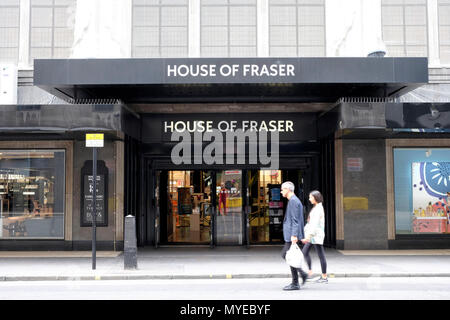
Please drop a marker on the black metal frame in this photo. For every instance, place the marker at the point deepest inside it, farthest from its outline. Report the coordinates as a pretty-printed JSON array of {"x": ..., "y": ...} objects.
[{"x": 328, "y": 183}]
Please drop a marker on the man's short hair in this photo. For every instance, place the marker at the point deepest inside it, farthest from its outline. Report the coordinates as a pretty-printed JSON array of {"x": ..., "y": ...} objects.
[{"x": 288, "y": 185}]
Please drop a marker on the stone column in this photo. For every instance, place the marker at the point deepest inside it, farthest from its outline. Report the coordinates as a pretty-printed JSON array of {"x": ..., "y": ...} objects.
[
  {"x": 102, "y": 29},
  {"x": 353, "y": 27}
]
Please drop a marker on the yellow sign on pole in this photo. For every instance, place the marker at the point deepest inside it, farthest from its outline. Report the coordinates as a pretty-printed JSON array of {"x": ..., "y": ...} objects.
[{"x": 95, "y": 140}]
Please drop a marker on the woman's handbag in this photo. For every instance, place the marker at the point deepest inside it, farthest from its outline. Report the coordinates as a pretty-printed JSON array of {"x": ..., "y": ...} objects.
[{"x": 294, "y": 256}]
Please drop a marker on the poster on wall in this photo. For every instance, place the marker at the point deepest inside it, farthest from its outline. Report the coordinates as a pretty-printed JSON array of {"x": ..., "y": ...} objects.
[
  {"x": 86, "y": 197},
  {"x": 431, "y": 197}
]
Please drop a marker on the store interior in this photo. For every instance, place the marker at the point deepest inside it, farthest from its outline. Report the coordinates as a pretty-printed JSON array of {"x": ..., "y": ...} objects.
[{"x": 189, "y": 205}]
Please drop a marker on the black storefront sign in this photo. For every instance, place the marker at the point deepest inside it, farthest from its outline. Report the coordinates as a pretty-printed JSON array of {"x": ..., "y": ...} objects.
[
  {"x": 301, "y": 126},
  {"x": 86, "y": 195}
]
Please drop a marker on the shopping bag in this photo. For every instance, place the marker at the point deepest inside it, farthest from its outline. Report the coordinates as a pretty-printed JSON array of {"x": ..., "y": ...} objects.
[
  {"x": 294, "y": 256},
  {"x": 307, "y": 229}
]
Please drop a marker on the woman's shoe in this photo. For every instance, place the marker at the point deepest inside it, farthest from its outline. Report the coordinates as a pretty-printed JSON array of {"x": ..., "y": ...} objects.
[{"x": 322, "y": 280}]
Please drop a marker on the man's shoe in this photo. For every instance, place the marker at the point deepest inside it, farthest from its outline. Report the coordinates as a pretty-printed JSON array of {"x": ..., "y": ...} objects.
[
  {"x": 304, "y": 277},
  {"x": 292, "y": 286}
]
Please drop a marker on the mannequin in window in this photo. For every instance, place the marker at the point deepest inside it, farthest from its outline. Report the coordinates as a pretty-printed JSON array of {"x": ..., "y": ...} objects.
[{"x": 223, "y": 199}]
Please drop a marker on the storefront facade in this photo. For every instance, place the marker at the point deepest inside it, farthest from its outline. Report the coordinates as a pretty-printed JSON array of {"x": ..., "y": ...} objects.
[
  {"x": 172, "y": 157},
  {"x": 44, "y": 165}
]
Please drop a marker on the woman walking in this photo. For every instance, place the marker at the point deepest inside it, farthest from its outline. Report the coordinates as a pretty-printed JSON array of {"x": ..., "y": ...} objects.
[{"x": 315, "y": 234}]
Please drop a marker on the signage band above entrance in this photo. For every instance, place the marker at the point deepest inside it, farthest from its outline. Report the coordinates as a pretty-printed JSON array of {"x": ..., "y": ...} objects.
[
  {"x": 229, "y": 70},
  {"x": 233, "y": 70}
]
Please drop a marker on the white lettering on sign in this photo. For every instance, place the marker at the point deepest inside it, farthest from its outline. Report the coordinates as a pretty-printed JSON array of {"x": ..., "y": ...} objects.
[
  {"x": 247, "y": 309},
  {"x": 203, "y": 70},
  {"x": 224, "y": 126},
  {"x": 226, "y": 70}
]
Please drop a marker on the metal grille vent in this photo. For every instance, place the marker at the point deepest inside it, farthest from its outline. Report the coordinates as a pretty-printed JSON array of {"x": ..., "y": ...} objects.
[
  {"x": 366, "y": 100},
  {"x": 95, "y": 101}
]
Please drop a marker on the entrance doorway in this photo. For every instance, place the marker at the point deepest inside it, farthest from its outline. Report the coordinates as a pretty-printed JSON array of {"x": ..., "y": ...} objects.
[
  {"x": 224, "y": 207},
  {"x": 230, "y": 229}
]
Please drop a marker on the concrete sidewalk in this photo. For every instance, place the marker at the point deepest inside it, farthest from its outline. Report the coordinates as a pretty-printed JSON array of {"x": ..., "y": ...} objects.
[{"x": 217, "y": 263}]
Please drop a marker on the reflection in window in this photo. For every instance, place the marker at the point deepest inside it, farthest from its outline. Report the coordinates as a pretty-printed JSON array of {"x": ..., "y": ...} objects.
[
  {"x": 422, "y": 190},
  {"x": 32, "y": 193}
]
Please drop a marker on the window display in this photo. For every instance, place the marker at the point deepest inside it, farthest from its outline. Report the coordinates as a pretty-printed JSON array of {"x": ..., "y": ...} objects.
[
  {"x": 422, "y": 190},
  {"x": 32, "y": 188}
]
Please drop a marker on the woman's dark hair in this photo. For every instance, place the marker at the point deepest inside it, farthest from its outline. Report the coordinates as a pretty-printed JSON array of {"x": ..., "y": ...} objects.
[{"x": 317, "y": 196}]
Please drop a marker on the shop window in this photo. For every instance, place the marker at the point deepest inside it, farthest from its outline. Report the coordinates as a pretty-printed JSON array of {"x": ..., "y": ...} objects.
[
  {"x": 9, "y": 30},
  {"x": 422, "y": 190},
  {"x": 160, "y": 28},
  {"x": 297, "y": 28},
  {"x": 32, "y": 188},
  {"x": 404, "y": 27},
  {"x": 444, "y": 31},
  {"x": 228, "y": 28},
  {"x": 51, "y": 28}
]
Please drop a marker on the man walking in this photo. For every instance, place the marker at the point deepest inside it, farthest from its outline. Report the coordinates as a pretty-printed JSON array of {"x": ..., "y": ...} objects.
[{"x": 292, "y": 230}]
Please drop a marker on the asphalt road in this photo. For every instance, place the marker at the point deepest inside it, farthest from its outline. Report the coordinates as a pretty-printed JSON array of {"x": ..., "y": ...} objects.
[{"x": 424, "y": 288}]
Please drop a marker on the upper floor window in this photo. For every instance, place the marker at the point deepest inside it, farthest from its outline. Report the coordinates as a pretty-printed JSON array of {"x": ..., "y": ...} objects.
[
  {"x": 51, "y": 28},
  {"x": 297, "y": 28},
  {"x": 444, "y": 30},
  {"x": 404, "y": 26},
  {"x": 9, "y": 30},
  {"x": 160, "y": 28},
  {"x": 228, "y": 28}
]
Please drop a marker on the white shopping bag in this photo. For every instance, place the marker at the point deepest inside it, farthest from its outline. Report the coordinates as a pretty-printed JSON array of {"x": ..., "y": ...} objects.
[{"x": 294, "y": 256}]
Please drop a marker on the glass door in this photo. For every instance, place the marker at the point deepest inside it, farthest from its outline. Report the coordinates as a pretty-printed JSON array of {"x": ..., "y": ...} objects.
[
  {"x": 157, "y": 208},
  {"x": 266, "y": 206},
  {"x": 189, "y": 210},
  {"x": 229, "y": 223}
]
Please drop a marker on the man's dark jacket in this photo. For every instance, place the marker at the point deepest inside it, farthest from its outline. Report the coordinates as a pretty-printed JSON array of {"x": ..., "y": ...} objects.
[{"x": 293, "y": 220}]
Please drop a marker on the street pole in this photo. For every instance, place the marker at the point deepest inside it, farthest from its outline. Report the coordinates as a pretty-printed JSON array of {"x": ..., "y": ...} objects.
[
  {"x": 94, "y": 208},
  {"x": 94, "y": 140}
]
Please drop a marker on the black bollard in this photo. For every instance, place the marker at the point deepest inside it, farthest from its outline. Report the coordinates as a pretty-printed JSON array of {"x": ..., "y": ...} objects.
[{"x": 130, "y": 245}]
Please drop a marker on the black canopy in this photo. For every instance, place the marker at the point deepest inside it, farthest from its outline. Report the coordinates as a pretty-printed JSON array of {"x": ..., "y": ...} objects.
[{"x": 229, "y": 79}]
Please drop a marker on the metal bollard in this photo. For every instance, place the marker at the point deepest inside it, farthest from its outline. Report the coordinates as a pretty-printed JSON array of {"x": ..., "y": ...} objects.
[{"x": 130, "y": 245}]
